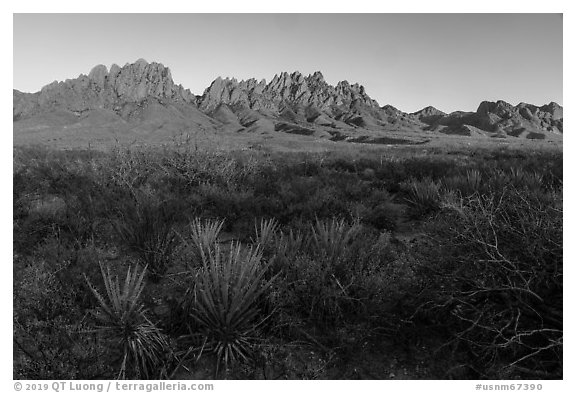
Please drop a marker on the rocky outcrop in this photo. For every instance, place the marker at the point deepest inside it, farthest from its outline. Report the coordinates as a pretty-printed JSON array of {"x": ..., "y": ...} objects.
[
  {"x": 231, "y": 92},
  {"x": 103, "y": 89},
  {"x": 23, "y": 104},
  {"x": 292, "y": 96},
  {"x": 503, "y": 119}
]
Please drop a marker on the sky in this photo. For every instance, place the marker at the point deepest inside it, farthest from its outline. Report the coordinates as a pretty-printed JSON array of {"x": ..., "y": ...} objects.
[{"x": 410, "y": 61}]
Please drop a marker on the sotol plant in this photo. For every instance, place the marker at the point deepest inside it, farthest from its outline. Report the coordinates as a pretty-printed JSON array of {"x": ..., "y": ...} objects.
[{"x": 124, "y": 324}]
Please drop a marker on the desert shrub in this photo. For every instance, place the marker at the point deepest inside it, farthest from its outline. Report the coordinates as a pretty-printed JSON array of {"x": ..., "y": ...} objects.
[
  {"x": 68, "y": 264},
  {"x": 199, "y": 167},
  {"x": 140, "y": 347},
  {"x": 73, "y": 218},
  {"x": 49, "y": 330},
  {"x": 317, "y": 294},
  {"x": 227, "y": 302},
  {"x": 265, "y": 181},
  {"x": 219, "y": 202},
  {"x": 482, "y": 274},
  {"x": 342, "y": 165},
  {"x": 19, "y": 194},
  {"x": 265, "y": 206},
  {"x": 428, "y": 167},
  {"x": 58, "y": 193},
  {"x": 379, "y": 275},
  {"x": 311, "y": 202},
  {"x": 384, "y": 216},
  {"x": 309, "y": 165},
  {"x": 494, "y": 280},
  {"x": 31, "y": 231},
  {"x": 299, "y": 189},
  {"x": 348, "y": 186},
  {"x": 129, "y": 169},
  {"x": 324, "y": 281},
  {"x": 146, "y": 229},
  {"x": 379, "y": 210}
]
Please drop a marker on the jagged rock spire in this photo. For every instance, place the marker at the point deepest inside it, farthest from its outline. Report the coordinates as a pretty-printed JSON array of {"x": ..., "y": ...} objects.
[{"x": 285, "y": 87}]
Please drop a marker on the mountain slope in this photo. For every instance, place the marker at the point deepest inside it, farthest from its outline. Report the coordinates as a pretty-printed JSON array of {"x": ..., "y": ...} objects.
[{"x": 121, "y": 103}]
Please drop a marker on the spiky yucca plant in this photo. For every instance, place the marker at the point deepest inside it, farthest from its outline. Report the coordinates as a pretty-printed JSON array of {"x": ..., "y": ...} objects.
[
  {"x": 424, "y": 196},
  {"x": 124, "y": 323},
  {"x": 330, "y": 238},
  {"x": 291, "y": 243},
  {"x": 203, "y": 239},
  {"x": 227, "y": 306},
  {"x": 474, "y": 180},
  {"x": 523, "y": 179},
  {"x": 465, "y": 185},
  {"x": 265, "y": 233}
]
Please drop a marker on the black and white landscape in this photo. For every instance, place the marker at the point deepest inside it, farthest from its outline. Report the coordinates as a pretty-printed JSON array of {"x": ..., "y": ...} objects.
[{"x": 293, "y": 228}]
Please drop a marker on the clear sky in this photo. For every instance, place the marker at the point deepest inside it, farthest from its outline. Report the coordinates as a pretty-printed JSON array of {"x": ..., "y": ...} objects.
[{"x": 450, "y": 61}]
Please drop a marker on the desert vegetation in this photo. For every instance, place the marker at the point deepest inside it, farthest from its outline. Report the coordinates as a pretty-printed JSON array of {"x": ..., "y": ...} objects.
[{"x": 177, "y": 263}]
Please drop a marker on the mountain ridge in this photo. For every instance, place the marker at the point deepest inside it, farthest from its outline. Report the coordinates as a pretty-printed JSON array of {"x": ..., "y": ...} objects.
[{"x": 144, "y": 96}]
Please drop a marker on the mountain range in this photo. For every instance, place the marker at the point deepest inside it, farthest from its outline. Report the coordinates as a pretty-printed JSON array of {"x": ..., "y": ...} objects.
[{"x": 140, "y": 101}]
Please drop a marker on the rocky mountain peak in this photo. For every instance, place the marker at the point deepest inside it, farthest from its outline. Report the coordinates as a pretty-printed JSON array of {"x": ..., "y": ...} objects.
[
  {"x": 430, "y": 110},
  {"x": 293, "y": 88},
  {"x": 317, "y": 75},
  {"x": 133, "y": 83},
  {"x": 98, "y": 74},
  {"x": 500, "y": 108},
  {"x": 140, "y": 63},
  {"x": 428, "y": 113},
  {"x": 390, "y": 110},
  {"x": 297, "y": 77},
  {"x": 554, "y": 109},
  {"x": 552, "y": 106}
]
